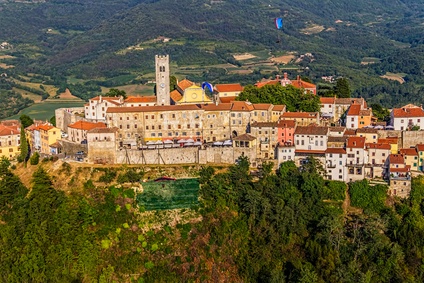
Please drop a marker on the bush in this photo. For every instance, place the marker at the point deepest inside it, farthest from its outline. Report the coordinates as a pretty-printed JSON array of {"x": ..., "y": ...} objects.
[
  {"x": 34, "y": 159},
  {"x": 108, "y": 176},
  {"x": 369, "y": 198}
]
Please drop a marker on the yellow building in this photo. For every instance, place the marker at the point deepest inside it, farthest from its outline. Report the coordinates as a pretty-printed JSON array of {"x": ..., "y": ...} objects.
[
  {"x": 9, "y": 141},
  {"x": 411, "y": 157},
  {"x": 392, "y": 141},
  {"x": 194, "y": 95},
  {"x": 371, "y": 135},
  {"x": 48, "y": 135}
]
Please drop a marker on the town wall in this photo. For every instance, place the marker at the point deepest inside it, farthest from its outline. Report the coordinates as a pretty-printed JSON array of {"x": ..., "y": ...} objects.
[
  {"x": 412, "y": 138},
  {"x": 67, "y": 116},
  {"x": 70, "y": 148},
  {"x": 102, "y": 152}
]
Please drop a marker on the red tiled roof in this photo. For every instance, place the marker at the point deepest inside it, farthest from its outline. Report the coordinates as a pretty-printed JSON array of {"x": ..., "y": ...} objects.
[
  {"x": 6, "y": 131},
  {"x": 378, "y": 146},
  {"x": 184, "y": 84},
  {"x": 335, "y": 150},
  {"x": 366, "y": 112},
  {"x": 286, "y": 124},
  {"x": 388, "y": 140},
  {"x": 176, "y": 95},
  {"x": 107, "y": 98},
  {"x": 311, "y": 115},
  {"x": 228, "y": 87},
  {"x": 159, "y": 108},
  {"x": 310, "y": 151},
  {"x": 138, "y": 99},
  {"x": 244, "y": 137},
  {"x": 86, "y": 126},
  {"x": 327, "y": 100},
  {"x": 227, "y": 99},
  {"x": 264, "y": 124},
  {"x": 279, "y": 108},
  {"x": 214, "y": 107},
  {"x": 396, "y": 159},
  {"x": 262, "y": 106},
  {"x": 264, "y": 83},
  {"x": 407, "y": 112},
  {"x": 103, "y": 130},
  {"x": 354, "y": 110},
  {"x": 367, "y": 131},
  {"x": 408, "y": 151},
  {"x": 355, "y": 142},
  {"x": 45, "y": 127},
  {"x": 337, "y": 129},
  {"x": 349, "y": 101},
  {"x": 311, "y": 130},
  {"x": 349, "y": 132},
  {"x": 302, "y": 84},
  {"x": 420, "y": 147},
  {"x": 242, "y": 106},
  {"x": 407, "y": 168}
]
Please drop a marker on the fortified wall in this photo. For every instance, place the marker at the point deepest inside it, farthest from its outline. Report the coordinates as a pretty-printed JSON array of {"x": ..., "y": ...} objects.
[{"x": 67, "y": 116}]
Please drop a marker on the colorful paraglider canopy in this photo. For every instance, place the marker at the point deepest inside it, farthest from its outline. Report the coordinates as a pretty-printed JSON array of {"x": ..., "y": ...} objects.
[
  {"x": 208, "y": 85},
  {"x": 279, "y": 23}
]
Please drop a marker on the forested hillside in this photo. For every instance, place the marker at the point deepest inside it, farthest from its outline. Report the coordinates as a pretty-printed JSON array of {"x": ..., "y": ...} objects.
[
  {"x": 291, "y": 226},
  {"x": 97, "y": 40}
]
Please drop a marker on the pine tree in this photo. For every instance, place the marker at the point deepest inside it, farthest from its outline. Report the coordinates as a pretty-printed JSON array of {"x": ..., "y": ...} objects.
[{"x": 342, "y": 88}]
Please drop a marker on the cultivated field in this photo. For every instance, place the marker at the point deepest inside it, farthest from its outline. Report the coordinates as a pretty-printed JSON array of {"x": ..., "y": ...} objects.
[
  {"x": 244, "y": 56},
  {"x": 394, "y": 77},
  {"x": 312, "y": 29},
  {"x": 45, "y": 110},
  {"x": 285, "y": 59}
]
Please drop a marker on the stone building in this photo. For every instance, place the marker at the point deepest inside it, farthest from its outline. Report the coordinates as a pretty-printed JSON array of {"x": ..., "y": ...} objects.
[
  {"x": 266, "y": 137},
  {"x": 356, "y": 158},
  {"x": 399, "y": 176},
  {"x": 102, "y": 145},
  {"x": 162, "y": 80},
  {"x": 96, "y": 107},
  {"x": 77, "y": 132},
  {"x": 335, "y": 164},
  {"x": 302, "y": 118}
]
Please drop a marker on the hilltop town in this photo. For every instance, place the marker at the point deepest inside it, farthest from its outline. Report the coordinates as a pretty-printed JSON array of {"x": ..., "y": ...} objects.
[{"x": 203, "y": 124}]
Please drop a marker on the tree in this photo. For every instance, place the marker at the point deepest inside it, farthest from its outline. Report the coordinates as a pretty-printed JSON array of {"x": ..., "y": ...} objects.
[
  {"x": 113, "y": 92},
  {"x": 26, "y": 121},
  {"x": 342, "y": 88},
  {"x": 23, "y": 157},
  {"x": 53, "y": 121},
  {"x": 172, "y": 83}
]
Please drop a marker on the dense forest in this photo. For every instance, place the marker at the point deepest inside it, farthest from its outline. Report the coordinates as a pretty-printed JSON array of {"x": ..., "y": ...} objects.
[
  {"x": 284, "y": 226},
  {"x": 89, "y": 41},
  {"x": 11, "y": 102}
]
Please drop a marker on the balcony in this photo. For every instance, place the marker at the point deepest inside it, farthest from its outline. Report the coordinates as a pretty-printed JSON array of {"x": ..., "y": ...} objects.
[{"x": 329, "y": 165}]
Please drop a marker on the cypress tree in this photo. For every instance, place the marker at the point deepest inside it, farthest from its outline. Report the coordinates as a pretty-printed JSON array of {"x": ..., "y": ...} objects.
[{"x": 23, "y": 157}]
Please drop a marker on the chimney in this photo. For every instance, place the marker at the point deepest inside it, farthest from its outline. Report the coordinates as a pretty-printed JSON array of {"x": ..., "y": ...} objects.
[
  {"x": 277, "y": 77},
  {"x": 298, "y": 77},
  {"x": 285, "y": 75}
]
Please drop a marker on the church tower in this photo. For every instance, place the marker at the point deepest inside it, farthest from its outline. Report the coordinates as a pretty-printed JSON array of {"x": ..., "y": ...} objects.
[{"x": 162, "y": 80}]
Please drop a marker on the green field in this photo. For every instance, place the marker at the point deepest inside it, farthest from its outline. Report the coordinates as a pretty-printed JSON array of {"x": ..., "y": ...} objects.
[
  {"x": 45, "y": 110},
  {"x": 181, "y": 193}
]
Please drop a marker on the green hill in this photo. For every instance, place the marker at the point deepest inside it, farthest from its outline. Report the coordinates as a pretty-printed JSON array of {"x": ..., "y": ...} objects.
[{"x": 100, "y": 40}]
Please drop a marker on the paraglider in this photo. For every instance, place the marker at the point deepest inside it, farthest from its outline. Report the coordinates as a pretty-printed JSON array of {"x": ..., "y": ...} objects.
[
  {"x": 279, "y": 25},
  {"x": 207, "y": 85}
]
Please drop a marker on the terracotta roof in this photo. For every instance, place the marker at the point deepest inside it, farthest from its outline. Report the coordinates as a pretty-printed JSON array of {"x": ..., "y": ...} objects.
[
  {"x": 86, "y": 126},
  {"x": 6, "y": 131},
  {"x": 228, "y": 87},
  {"x": 302, "y": 84},
  {"x": 420, "y": 147},
  {"x": 388, "y": 140},
  {"x": 286, "y": 124},
  {"x": 12, "y": 123},
  {"x": 337, "y": 139},
  {"x": 354, "y": 110},
  {"x": 407, "y": 112},
  {"x": 56, "y": 145},
  {"x": 227, "y": 99},
  {"x": 310, "y": 151},
  {"x": 327, "y": 100},
  {"x": 103, "y": 130},
  {"x": 335, "y": 150},
  {"x": 159, "y": 108},
  {"x": 262, "y": 106},
  {"x": 45, "y": 127},
  {"x": 349, "y": 132},
  {"x": 378, "y": 146},
  {"x": 279, "y": 108},
  {"x": 176, "y": 95},
  {"x": 408, "y": 151},
  {"x": 349, "y": 101},
  {"x": 311, "y": 130},
  {"x": 406, "y": 169},
  {"x": 300, "y": 115},
  {"x": 242, "y": 106},
  {"x": 219, "y": 107},
  {"x": 396, "y": 159},
  {"x": 138, "y": 99},
  {"x": 264, "y": 83},
  {"x": 244, "y": 137},
  {"x": 367, "y": 131},
  {"x": 355, "y": 142},
  {"x": 264, "y": 124},
  {"x": 184, "y": 84},
  {"x": 337, "y": 129}
]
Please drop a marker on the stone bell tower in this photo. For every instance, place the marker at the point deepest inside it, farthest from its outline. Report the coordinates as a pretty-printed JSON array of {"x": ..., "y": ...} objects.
[{"x": 162, "y": 80}]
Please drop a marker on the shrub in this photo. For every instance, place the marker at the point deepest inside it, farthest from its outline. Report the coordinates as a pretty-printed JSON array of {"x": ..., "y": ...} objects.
[{"x": 34, "y": 159}]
